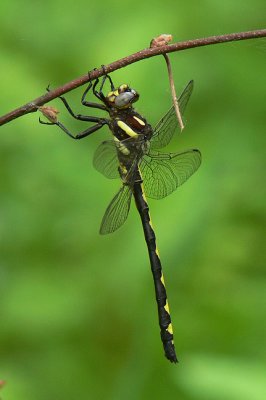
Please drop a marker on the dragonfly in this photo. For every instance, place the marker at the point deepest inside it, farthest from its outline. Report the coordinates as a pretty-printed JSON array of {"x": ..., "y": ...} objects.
[{"x": 133, "y": 155}]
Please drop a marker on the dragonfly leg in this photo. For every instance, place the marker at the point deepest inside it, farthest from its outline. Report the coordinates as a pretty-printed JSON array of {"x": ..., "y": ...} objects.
[
  {"x": 91, "y": 104},
  {"x": 82, "y": 134},
  {"x": 99, "y": 94},
  {"x": 79, "y": 116}
]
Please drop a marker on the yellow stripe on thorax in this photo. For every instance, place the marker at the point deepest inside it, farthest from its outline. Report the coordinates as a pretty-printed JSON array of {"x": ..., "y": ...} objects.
[
  {"x": 126, "y": 129},
  {"x": 139, "y": 120}
]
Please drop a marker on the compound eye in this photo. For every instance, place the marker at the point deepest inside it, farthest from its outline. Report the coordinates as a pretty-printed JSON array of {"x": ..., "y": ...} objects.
[{"x": 124, "y": 99}]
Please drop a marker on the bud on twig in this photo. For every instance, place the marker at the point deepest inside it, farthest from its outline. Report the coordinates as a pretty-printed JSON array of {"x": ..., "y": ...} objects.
[
  {"x": 161, "y": 40},
  {"x": 49, "y": 112}
]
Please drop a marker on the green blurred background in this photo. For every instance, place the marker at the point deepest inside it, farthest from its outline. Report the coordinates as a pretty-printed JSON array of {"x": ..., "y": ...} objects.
[{"x": 77, "y": 310}]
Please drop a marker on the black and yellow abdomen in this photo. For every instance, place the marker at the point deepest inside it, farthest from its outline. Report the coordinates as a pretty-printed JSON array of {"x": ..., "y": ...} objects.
[
  {"x": 156, "y": 268},
  {"x": 133, "y": 126}
]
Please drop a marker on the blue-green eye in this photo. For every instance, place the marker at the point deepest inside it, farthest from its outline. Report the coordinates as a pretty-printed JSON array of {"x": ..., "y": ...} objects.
[{"x": 126, "y": 98}]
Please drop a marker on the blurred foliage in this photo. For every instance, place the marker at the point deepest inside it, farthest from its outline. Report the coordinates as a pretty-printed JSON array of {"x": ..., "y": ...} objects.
[{"x": 78, "y": 314}]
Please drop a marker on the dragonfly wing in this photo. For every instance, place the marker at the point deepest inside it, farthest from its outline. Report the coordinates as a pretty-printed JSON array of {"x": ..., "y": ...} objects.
[
  {"x": 164, "y": 173},
  {"x": 117, "y": 211},
  {"x": 112, "y": 153},
  {"x": 165, "y": 128},
  {"x": 105, "y": 159}
]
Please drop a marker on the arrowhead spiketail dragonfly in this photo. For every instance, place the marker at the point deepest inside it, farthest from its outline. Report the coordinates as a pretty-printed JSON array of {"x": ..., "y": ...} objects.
[{"x": 132, "y": 155}]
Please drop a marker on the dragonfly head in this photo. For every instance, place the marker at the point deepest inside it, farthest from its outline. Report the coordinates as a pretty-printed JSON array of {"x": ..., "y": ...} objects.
[{"x": 122, "y": 97}]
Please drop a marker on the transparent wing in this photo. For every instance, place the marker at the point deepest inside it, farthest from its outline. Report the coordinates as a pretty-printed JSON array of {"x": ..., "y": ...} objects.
[
  {"x": 165, "y": 128},
  {"x": 164, "y": 173},
  {"x": 117, "y": 211},
  {"x": 105, "y": 159},
  {"x": 108, "y": 155}
]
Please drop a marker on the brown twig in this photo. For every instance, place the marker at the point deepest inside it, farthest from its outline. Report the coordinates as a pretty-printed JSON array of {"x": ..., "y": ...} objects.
[{"x": 33, "y": 105}]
